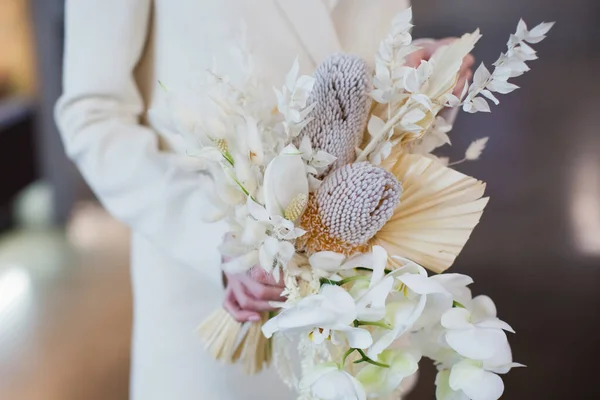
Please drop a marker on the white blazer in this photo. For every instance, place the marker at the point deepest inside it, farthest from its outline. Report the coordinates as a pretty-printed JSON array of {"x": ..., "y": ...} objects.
[{"x": 116, "y": 52}]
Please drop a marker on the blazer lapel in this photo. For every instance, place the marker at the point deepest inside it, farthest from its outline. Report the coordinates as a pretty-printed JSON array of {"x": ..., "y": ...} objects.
[{"x": 311, "y": 22}]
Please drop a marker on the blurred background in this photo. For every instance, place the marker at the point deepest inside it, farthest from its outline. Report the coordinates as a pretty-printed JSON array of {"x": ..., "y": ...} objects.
[{"x": 65, "y": 302}]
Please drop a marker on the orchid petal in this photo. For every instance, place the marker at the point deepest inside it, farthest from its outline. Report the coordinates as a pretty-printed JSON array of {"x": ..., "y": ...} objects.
[
  {"x": 333, "y": 384},
  {"x": 475, "y": 382},
  {"x": 380, "y": 258},
  {"x": 404, "y": 315},
  {"x": 371, "y": 306},
  {"x": 357, "y": 338},
  {"x": 257, "y": 211},
  {"x": 457, "y": 318},
  {"x": 477, "y": 344},
  {"x": 328, "y": 261},
  {"x": 422, "y": 285},
  {"x": 495, "y": 323},
  {"x": 443, "y": 389},
  {"x": 483, "y": 307},
  {"x": 456, "y": 284},
  {"x": 362, "y": 260},
  {"x": 382, "y": 382},
  {"x": 319, "y": 371}
]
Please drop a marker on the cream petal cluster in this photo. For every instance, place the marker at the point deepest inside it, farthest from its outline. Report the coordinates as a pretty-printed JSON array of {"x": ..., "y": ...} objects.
[{"x": 326, "y": 315}]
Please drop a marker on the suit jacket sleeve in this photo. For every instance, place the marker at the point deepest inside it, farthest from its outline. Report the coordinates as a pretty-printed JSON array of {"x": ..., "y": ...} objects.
[{"x": 98, "y": 116}]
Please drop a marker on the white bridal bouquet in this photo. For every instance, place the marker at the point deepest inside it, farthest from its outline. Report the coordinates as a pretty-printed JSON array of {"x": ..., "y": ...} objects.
[{"x": 336, "y": 193}]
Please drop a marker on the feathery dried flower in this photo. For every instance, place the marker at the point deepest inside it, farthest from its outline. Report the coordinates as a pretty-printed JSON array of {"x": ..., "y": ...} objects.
[{"x": 341, "y": 94}]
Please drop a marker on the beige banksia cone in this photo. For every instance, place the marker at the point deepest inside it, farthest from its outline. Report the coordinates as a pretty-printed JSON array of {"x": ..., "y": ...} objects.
[
  {"x": 351, "y": 206},
  {"x": 342, "y": 96}
]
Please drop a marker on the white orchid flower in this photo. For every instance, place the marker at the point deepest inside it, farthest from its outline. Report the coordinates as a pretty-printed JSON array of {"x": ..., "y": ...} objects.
[
  {"x": 443, "y": 390},
  {"x": 404, "y": 311},
  {"x": 475, "y": 332},
  {"x": 456, "y": 285},
  {"x": 274, "y": 253},
  {"x": 370, "y": 295},
  {"x": 327, "y": 261},
  {"x": 476, "y": 380},
  {"x": 371, "y": 304},
  {"x": 452, "y": 289},
  {"x": 431, "y": 344},
  {"x": 328, "y": 314},
  {"x": 285, "y": 179},
  {"x": 381, "y": 382},
  {"x": 328, "y": 382},
  {"x": 332, "y": 262}
]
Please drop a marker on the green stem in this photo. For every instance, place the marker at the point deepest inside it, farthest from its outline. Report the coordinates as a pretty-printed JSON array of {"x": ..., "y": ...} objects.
[
  {"x": 366, "y": 359},
  {"x": 229, "y": 158},
  {"x": 346, "y": 354},
  {"x": 386, "y": 271},
  {"x": 325, "y": 281},
  {"x": 242, "y": 187},
  {"x": 379, "y": 324},
  {"x": 352, "y": 279}
]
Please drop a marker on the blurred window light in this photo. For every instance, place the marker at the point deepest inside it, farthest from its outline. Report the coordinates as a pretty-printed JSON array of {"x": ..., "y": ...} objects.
[
  {"x": 15, "y": 290},
  {"x": 585, "y": 204}
]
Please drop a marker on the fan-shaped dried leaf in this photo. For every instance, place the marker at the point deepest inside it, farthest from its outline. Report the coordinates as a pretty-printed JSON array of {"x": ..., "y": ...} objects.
[{"x": 438, "y": 210}]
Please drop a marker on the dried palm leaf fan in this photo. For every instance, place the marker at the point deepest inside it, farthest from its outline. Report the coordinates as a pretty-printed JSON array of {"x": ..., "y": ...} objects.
[
  {"x": 439, "y": 208},
  {"x": 233, "y": 342},
  {"x": 341, "y": 93}
]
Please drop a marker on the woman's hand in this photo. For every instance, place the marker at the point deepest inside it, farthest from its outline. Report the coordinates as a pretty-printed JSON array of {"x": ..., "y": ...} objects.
[
  {"x": 248, "y": 294},
  {"x": 427, "y": 48}
]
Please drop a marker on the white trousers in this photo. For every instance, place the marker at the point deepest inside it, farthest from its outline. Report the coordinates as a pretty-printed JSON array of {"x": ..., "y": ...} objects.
[{"x": 168, "y": 359}]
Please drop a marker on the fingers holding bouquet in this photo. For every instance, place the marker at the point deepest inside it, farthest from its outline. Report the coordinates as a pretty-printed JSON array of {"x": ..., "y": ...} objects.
[
  {"x": 250, "y": 293},
  {"x": 426, "y": 50}
]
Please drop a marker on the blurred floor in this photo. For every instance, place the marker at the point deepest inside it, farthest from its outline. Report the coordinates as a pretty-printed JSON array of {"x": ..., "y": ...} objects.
[{"x": 65, "y": 311}]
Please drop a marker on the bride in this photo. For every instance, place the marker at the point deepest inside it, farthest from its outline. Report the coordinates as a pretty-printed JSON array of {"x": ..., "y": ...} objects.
[{"x": 116, "y": 51}]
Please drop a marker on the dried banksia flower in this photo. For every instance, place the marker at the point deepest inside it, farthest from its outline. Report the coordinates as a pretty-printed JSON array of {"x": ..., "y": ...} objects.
[
  {"x": 342, "y": 96},
  {"x": 351, "y": 206},
  {"x": 318, "y": 237}
]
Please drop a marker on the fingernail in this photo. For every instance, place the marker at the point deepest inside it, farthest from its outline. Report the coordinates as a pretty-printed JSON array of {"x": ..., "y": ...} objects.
[{"x": 254, "y": 318}]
